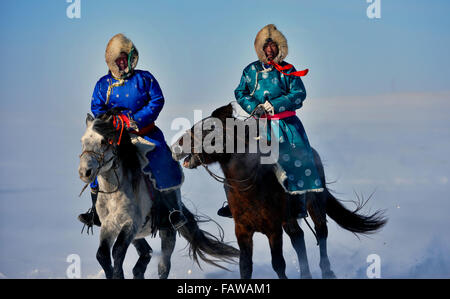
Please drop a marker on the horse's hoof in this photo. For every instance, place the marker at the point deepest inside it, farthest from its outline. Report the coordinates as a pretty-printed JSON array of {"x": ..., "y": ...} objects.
[
  {"x": 306, "y": 276},
  {"x": 328, "y": 275},
  {"x": 118, "y": 276},
  {"x": 138, "y": 273},
  {"x": 109, "y": 274}
]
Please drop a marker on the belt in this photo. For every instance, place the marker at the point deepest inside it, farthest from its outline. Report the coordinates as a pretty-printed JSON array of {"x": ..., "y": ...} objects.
[
  {"x": 145, "y": 130},
  {"x": 281, "y": 115}
]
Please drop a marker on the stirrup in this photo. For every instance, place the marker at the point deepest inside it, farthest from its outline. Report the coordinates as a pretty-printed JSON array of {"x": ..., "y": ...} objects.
[
  {"x": 89, "y": 224},
  {"x": 225, "y": 207},
  {"x": 180, "y": 222}
]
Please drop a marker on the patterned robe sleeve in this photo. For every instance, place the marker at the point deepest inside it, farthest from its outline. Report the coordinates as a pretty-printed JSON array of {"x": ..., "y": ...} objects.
[
  {"x": 294, "y": 98},
  {"x": 98, "y": 103},
  {"x": 242, "y": 95},
  {"x": 149, "y": 113}
]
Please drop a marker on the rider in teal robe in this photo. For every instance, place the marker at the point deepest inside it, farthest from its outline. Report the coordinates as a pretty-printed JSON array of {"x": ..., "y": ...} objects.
[{"x": 270, "y": 84}]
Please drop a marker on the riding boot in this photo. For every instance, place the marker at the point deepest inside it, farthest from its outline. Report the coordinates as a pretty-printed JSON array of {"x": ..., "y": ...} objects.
[
  {"x": 298, "y": 206},
  {"x": 172, "y": 201},
  {"x": 91, "y": 217},
  {"x": 225, "y": 211}
]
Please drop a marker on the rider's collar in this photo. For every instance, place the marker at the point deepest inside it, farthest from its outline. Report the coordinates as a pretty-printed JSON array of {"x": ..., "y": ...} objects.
[
  {"x": 125, "y": 76},
  {"x": 266, "y": 67}
]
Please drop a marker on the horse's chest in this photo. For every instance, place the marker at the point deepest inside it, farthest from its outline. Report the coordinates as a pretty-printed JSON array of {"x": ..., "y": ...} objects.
[
  {"x": 255, "y": 212},
  {"x": 114, "y": 208}
]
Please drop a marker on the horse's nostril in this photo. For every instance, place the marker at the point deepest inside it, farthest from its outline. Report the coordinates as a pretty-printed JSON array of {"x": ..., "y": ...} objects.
[{"x": 88, "y": 173}]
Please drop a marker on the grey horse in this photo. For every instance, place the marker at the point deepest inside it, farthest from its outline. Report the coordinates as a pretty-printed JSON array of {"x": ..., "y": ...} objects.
[{"x": 125, "y": 205}]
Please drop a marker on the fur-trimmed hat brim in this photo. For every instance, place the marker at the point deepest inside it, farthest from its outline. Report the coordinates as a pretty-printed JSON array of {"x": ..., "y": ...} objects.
[
  {"x": 271, "y": 32},
  {"x": 117, "y": 44}
]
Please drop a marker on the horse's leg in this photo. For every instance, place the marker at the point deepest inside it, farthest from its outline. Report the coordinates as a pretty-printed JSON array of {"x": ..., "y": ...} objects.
[
  {"x": 145, "y": 254},
  {"x": 168, "y": 238},
  {"x": 245, "y": 242},
  {"x": 325, "y": 266},
  {"x": 296, "y": 235},
  {"x": 276, "y": 249},
  {"x": 316, "y": 208},
  {"x": 119, "y": 251},
  {"x": 104, "y": 251}
]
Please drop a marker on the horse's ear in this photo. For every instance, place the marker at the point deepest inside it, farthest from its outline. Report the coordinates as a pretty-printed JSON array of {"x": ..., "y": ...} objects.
[{"x": 89, "y": 119}]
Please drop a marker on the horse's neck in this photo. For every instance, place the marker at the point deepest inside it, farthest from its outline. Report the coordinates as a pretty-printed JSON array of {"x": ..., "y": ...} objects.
[
  {"x": 240, "y": 166},
  {"x": 112, "y": 180}
]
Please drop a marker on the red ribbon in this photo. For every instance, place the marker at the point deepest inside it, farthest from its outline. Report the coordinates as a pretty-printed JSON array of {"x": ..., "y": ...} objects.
[
  {"x": 288, "y": 67},
  {"x": 125, "y": 119},
  {"x": 119, "y": 122},
  {"x": 281, "y": 115}
]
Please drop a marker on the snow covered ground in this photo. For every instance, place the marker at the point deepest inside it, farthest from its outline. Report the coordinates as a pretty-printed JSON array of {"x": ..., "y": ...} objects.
[{"x": 396, "y": 144}]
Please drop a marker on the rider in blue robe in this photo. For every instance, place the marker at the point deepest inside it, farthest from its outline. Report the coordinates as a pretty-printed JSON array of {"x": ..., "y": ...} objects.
[{"x": 139, "y": 96}]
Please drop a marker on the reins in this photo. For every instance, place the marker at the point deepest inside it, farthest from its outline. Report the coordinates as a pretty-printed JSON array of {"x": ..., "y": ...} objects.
[
  {"x": 119, "y": 122},
  {"x": 221, "y": 179},
  {"x": 100, "y": 159},
  {"x": 224, "y": 180}
]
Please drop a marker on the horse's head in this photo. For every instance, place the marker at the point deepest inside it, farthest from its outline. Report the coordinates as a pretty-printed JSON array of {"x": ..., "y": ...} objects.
[
  {"x": 204, "y": 143},
  {"x": 98, "y": 148}
]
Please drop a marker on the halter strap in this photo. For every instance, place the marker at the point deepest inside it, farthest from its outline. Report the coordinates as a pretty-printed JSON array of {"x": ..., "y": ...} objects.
[{"x": 100, "y": 159}]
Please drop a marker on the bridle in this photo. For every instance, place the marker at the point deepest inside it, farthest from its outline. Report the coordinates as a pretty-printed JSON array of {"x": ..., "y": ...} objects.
[
  {"x": 224, "y": 180},
  {"x": 100, "y": 157},
  {"x": 221, "y": 179}
]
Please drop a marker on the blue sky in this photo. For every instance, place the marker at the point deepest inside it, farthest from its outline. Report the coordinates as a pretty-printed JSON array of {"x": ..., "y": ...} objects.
[{"x": 377, "y": 111}]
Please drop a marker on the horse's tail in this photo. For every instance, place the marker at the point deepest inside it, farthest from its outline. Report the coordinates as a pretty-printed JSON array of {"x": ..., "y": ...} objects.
[
  {"x": 352, "y": 220},
  {"x": 202, "y": 243}
]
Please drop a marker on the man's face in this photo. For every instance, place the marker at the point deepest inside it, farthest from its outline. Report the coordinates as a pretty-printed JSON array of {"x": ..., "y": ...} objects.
[
  {"x": 271, "y": 50},
  {"x": 122, "y": 61}
]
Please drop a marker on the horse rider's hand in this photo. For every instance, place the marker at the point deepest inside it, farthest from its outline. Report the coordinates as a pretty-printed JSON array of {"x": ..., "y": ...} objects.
[
  {"x": 131, "y": 126},
  {"x": 269, "y": 108},
  {"x": 259, "y": 111}
]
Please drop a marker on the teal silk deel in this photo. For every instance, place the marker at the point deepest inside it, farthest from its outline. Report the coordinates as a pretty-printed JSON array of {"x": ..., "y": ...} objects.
[{"x": 296, "y": 169}]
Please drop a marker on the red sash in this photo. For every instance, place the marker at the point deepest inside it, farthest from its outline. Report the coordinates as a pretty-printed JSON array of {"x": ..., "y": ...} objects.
[
  {"x": 281, "y": 115},
  {"x": 145, "y": 130}
]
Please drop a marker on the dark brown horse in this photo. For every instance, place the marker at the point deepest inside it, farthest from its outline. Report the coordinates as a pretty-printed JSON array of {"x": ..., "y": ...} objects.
[{"x": 259, "y": 203}]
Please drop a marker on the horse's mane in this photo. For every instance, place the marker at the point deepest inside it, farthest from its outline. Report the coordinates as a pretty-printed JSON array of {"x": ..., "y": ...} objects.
[
  {"x": 126, "y": 151},
  {"x": 223, "y": 112}
]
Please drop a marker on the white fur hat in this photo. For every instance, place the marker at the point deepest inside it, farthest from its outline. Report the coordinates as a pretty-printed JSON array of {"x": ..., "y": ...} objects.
[
  {"x": 117, "y": 44},
  {"x": 271, "y": 32}
]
